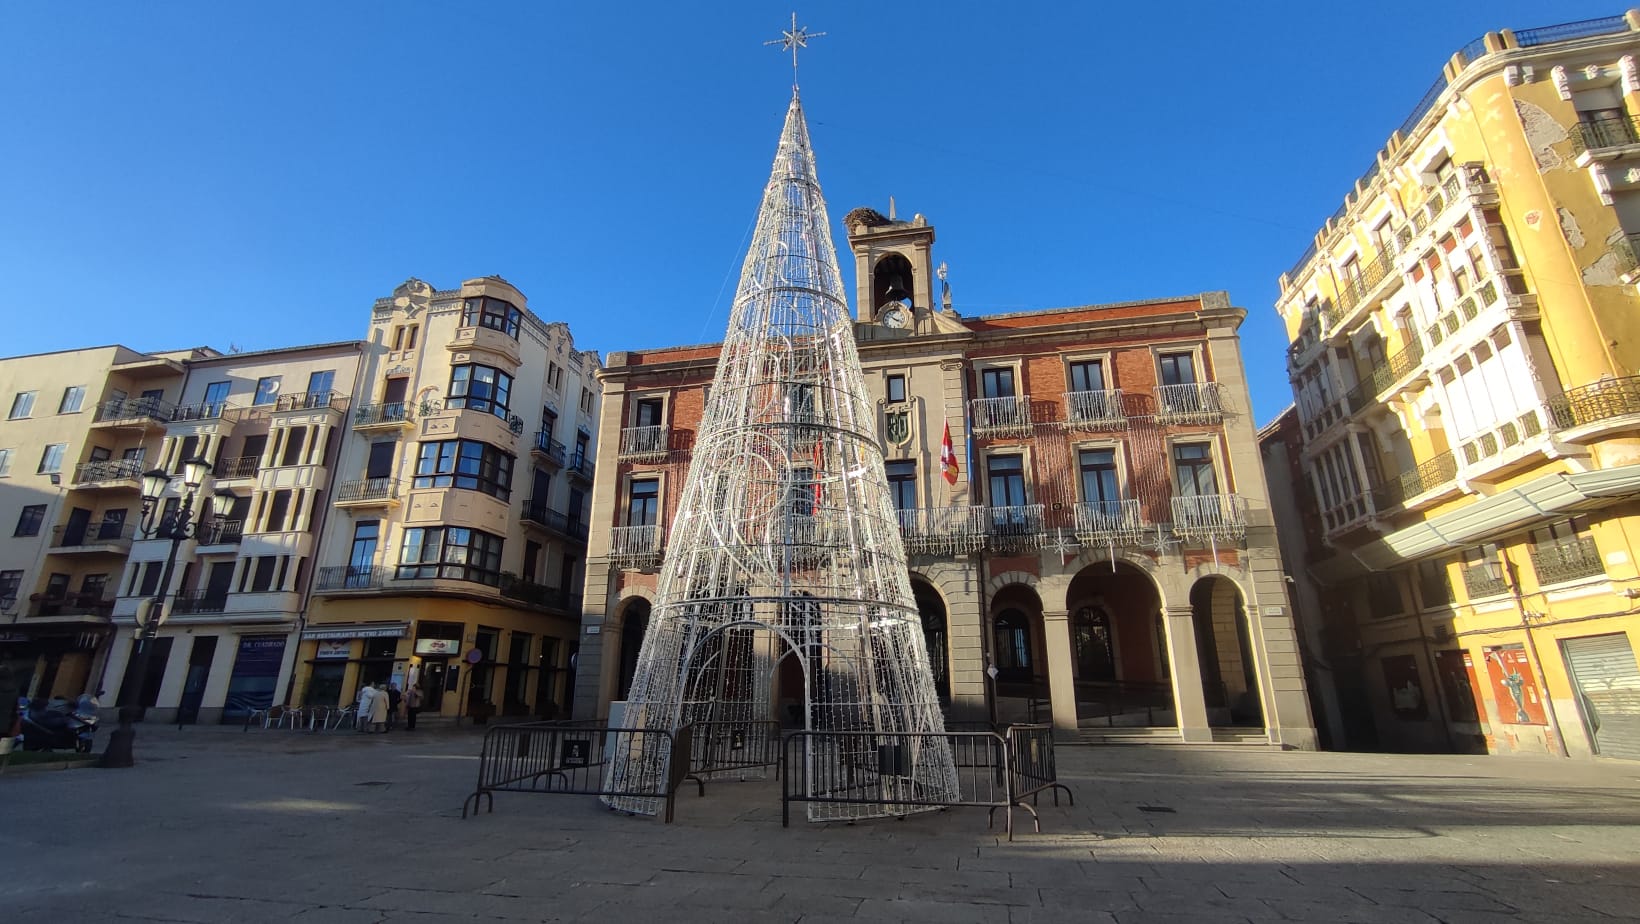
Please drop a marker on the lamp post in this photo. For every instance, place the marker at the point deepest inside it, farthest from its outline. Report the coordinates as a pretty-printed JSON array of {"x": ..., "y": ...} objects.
[{"x": 178, "y": 526}]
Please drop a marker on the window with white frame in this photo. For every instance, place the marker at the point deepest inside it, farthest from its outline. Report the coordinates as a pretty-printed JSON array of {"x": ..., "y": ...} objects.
[
  {"x": 5, "y": 462},
  {"x": 22, "y": 405},
  {"x": 51, "y": 460},
  {"x": 1193, "y": 469},
  {"x": 1097, "y": 466},
  {"x": 73, "y": 397}
]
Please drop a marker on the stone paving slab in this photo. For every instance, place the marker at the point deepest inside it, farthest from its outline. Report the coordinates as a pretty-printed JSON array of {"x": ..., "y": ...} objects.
[{"x": 215, "y": 825}]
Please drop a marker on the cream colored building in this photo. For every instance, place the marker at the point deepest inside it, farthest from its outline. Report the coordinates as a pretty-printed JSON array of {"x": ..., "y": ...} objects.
[
  {"x": 455, "y": 554},
  {"x": 1465, "y": 336},
  {"x": 1106, "y": 549},
  {"x": 270, "y": 424},
  {"x": 77, "y": 429}
]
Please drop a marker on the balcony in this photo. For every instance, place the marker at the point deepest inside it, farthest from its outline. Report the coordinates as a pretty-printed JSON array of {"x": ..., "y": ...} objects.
[
  {"x": 1001, "y": 417},
  {"x": 1601, "y": 138},
  {"x": 1479, "y": 581},
  {"x": 1190, "y": 403},
  {"x": 368, "y": 492},
  {"x": 1210, "y": 517},
  {"x": 1410, "y": 489},
  {"x": 548, "y": 450},
  {"x": 942, "y": 530},
  {"x": 635, "y": 547},
  {"x": 205, "y": 410},
  {"x": 311, "y": 401},
  {"x": 1109, "y": 523},
  {"x": 1566, "y": 560},
  {"x": 1094, "y": 410},
  {"x": 70, "y": 605},
  {"x": 143, "y": 413},
  {"x": 538, "y": 513},
  {"x": 1499, "y": 449},
  {"x": 643, "y": 444},
  {"x": 198, "y": 602},
  {"x": 109, "y": 537},
  {"x": 1491, "y": 303},
  {"x": 372, "y": 418},
  {"x": 1014, "y": 529},
  {"x": 580, "y": 467},
  {"x": 109, "y": 474},
  {"x": 1364, "y": 287},
  {"x": 541, "y": 595},
  {"x": 240, "y": 467},
  {"x": 349, "y": 578},
  {"x": 1598, "y": 408},
  {"x": 223, "y": 532}
]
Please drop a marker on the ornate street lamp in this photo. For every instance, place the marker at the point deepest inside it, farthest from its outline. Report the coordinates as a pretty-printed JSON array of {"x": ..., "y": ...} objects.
[{"x": 177, "y": 525}]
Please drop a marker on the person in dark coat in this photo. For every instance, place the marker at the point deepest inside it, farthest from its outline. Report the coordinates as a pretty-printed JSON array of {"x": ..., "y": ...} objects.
[
  {"x": 8, "y": 701},
  {"x": 393, "y": 698}
]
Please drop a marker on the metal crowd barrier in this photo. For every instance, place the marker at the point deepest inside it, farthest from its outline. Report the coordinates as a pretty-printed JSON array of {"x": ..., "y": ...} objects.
[
  {"x": 573, "y": 758},
  {"x": 727, "y": 748},
  {"x": 993, "y": 771}
]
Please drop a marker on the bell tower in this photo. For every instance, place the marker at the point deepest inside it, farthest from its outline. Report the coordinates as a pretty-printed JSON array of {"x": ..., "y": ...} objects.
[{"x": 893, "y": 268}]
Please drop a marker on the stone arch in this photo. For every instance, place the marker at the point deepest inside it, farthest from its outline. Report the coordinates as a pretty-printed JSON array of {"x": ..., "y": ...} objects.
[
  {"x": 935, "y": 615},
  {"x": 1119, "y": 655},
  {"x": 1006, "y": 578},
  {"x": 634, "y": 611},
  {"x": 1225, "y": 646}
]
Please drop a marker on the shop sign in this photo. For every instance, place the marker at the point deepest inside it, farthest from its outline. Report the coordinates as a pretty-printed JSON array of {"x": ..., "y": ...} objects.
[
  {"x": 339, "y": 648},
  {"x": 361, "y": 630},
  {"x": 437, "y": 646}
]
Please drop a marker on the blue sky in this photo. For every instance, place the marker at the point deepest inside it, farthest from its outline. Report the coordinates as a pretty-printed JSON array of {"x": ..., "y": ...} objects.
[{"x": 255, "y": 175}]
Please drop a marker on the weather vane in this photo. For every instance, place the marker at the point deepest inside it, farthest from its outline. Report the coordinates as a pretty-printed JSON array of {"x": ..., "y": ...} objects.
[{"x": 797, "y": 37}]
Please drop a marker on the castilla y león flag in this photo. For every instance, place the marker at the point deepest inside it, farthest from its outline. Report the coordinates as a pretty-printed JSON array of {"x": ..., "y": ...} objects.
[{"x": 948, "y": 457}]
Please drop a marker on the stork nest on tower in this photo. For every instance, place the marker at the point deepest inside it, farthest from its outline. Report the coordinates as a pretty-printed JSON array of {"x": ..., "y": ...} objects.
[{"x": 865, "y": 215}]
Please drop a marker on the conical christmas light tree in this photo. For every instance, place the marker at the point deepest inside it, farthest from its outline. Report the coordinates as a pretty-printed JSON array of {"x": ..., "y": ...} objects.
[{"x": 785, "y": 544}]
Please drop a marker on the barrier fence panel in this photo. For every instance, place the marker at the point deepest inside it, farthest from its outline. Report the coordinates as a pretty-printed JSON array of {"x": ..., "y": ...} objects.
[
  {"x": 575, "y": 758},
  {"x": 881, "y": 769},
  {"x": 1031, "y": 766},
  {"x": 744, "y": 749}
]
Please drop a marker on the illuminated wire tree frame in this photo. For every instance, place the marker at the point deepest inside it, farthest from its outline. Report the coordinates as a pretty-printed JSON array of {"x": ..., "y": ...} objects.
[{"x": 786, "y": 544}]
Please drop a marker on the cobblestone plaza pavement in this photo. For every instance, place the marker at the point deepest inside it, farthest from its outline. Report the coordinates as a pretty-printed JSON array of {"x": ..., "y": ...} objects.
[{"x": 215, "y": 825}]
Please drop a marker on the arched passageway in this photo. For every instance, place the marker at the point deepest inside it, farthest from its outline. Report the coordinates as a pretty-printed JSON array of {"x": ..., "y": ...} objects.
[
  {"x": 1019, "y": 654},
  {"x": 936, "y": 635},
  {"x": 1223, "y": 644},
  {"x": 634, "y": 623},
  {"x": 1118, "y": 649}
]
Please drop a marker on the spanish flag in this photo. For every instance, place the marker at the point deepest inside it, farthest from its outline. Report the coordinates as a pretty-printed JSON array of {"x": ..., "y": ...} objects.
[{"x": 948, "y": 456}]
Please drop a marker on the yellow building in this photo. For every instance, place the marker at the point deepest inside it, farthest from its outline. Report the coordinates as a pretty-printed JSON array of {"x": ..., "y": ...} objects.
[
  {"x": 455, "y": 555},
  {"x": 77, "y": 429},
  {"x": 1465, "y": 333}
]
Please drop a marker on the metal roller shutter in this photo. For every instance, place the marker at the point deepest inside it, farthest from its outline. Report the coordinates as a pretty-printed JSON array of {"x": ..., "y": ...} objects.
[{"x": 1608, "y": 685}]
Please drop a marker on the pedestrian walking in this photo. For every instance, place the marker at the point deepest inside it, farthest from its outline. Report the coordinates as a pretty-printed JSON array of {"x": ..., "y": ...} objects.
[
  {"x": 394, "y": 697},
  {"x": 367, "y": 696},
  {"x": 412, "y": 706},
  {"x": 378, "y": 710}
]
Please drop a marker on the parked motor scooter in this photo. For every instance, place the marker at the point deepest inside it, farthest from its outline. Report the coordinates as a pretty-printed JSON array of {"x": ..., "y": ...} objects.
[{"x": 57, "y": 725}]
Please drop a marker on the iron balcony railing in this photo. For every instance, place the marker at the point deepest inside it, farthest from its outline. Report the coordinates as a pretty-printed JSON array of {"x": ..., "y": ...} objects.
[
  {"x": 1360, "y": 285},
  {"x": 134, "y": 409},
  {"x": 204, "y": 410},
  {"x": 367, "y": 490},
  {"x": 1479, "y": 581},
  {"x": 640, "y": 443},
  {"x": 1429, "y": 475},
  {"x": 552, "y": 450},
  {"x": 580, "y": 466},
  {"x": 635, "y": 546},
  {"x": 106, "y": 532},
  {"x": 350, "y": 577},
  {"x": 70, "y": 605},
  {"x": 107, "y": 471},
  {"x": 238, "y": 467},
  {"x": 1627, "y": 251},
  {"x": 942, "y": 530},
  {"x": 1016, "y": 528},
  {"x": 544, "y": 595},
  {"x": 1210, "y": 517},
  {"x": 1609, "y": 132},
  {"x": 1010, "y": 416},
  {"x": 539, "y": 512},
  {"x": 223, "y": 532},
  {"x": 1107, "y": 522},
  {"x": 375, "y": 415},
  {"x": 311, "y": 400},
  {"x": 1192, "y": 402},
  {"x": 1093, "y": 410},
  {"x": 1608, "y": 399},
  {"x": 1566, "y": 560},
  {"x": 199, "y": 601}
]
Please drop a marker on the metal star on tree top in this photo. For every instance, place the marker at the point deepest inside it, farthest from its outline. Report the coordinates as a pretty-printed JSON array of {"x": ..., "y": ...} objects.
[{"x": 793, "y": 39}]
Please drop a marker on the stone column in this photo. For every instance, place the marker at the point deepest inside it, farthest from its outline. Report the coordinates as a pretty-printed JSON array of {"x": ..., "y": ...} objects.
[
  {"x": 1189, "y": 705},
  {"x": 1056, "y": 632}
]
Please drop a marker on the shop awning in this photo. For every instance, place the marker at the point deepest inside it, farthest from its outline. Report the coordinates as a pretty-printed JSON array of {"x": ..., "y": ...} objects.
[{"x": 358, "y": 630}]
